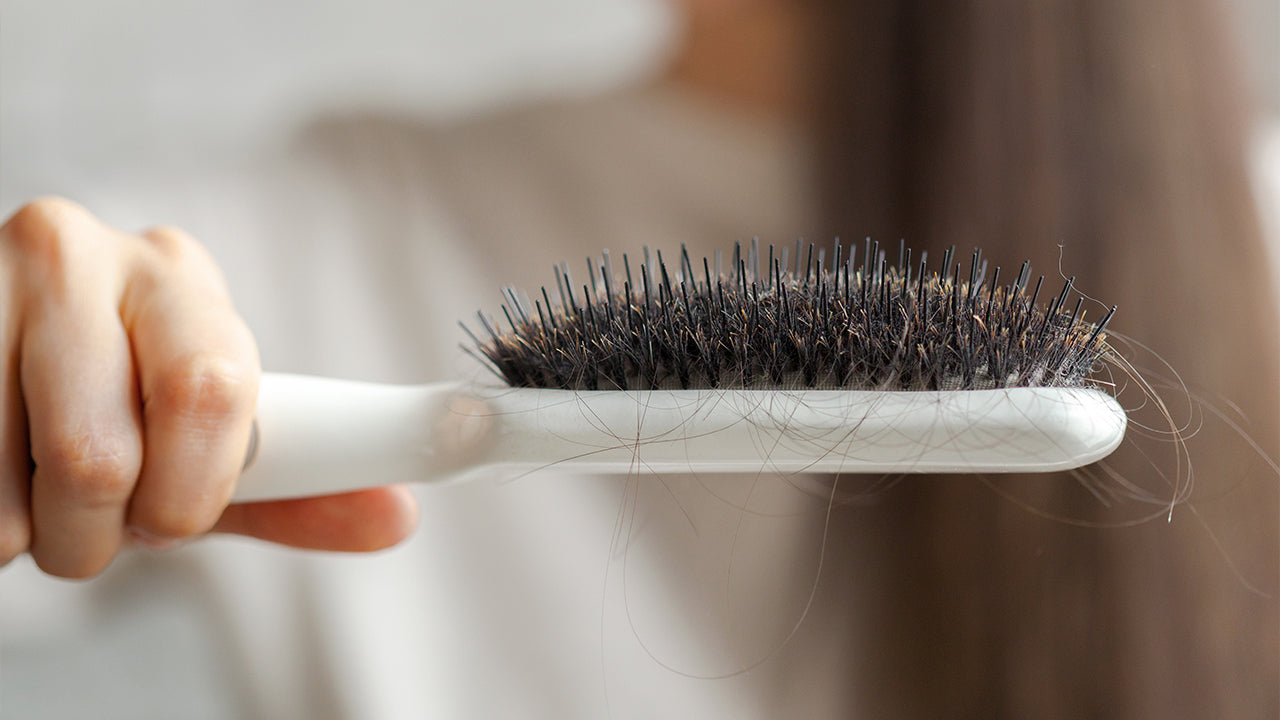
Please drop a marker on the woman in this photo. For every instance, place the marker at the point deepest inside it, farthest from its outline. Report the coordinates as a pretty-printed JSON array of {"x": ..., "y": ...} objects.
[
  {"x": 1110, "y": 142},
  {"x": 1004, "y": 126}
]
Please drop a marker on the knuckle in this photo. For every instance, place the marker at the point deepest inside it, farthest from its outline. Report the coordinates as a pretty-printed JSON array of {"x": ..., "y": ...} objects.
[
  {"x": 170, "y": 242},
  {"x": 174, "y": 520},
  {"x": 46, "y": 212},
  {"x": 95, "y": 469},
  {"x": 57, "y": 244},
  {"x": 175, "y": 251},
  {"x": 41, "y": 229},
  {"x": 206, "y": 385}
]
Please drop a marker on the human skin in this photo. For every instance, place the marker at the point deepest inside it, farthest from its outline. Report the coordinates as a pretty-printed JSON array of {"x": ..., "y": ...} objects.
[
  {"x": 129, "y": 388},
  {"x": 129, "y": 381}
]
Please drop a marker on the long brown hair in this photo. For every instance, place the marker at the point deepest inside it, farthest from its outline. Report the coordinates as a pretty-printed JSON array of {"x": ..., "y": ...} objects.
[{"x": 1117, "y": 130}]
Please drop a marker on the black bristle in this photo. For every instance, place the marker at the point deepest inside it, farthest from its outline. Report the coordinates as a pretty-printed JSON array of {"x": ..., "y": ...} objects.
[
  {"x": 514, "y": 301},
  {"x": 550, "y": 314},
  {"x": 648, "y": 301},
  {"x": 1062, "y": 298},
  {"x": 558, "y": 271},
  {"x": 755, "y": 259},
  {"x": 830, "y": 325},
  {"x": 835, "y": 264},
  {"x": 991, "y": 295}
]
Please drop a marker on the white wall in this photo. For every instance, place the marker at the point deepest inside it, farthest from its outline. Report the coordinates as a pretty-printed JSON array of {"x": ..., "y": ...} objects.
[{"x": 88, "y": 85}]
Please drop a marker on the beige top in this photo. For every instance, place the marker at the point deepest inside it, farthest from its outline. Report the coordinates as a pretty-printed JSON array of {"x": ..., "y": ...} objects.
[{"x": 354, "y": 254}]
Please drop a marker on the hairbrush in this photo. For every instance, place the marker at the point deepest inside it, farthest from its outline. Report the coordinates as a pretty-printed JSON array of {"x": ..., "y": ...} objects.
[{"x": 790, "y": 363}]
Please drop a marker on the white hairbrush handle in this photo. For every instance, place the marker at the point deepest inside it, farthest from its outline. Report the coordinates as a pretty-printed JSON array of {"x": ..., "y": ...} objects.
[{"x": 318, "y": 436}]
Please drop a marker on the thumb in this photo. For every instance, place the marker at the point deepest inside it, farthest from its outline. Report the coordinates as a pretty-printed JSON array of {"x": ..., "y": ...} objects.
[{"x": 361, "y": 521}]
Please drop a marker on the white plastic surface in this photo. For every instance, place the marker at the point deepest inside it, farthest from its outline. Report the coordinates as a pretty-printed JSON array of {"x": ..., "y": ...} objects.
[{"x": 319, "y": 436}]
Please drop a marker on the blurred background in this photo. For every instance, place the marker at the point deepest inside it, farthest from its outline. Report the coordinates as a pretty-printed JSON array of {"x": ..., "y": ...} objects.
[
  {"x": 95, "y": 90},
  {"x": 91, "y": 87}
]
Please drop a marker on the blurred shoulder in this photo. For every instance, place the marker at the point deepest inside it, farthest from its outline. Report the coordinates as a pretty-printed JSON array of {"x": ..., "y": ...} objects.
[{"x": 505, "y": 137}]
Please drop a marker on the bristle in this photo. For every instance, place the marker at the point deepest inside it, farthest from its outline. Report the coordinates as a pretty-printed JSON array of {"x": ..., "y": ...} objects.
[{"x": 800, "y": 324}]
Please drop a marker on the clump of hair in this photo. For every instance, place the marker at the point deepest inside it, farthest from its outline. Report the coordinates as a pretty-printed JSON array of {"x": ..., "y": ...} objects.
[{"x": 785, "y": 323}]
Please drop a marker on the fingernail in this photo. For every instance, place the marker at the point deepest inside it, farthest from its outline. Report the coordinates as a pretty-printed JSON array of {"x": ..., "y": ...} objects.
[{"x": 150, "y": 541}]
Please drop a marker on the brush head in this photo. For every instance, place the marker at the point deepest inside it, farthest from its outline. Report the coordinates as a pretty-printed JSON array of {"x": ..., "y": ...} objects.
[{"x": 792, "y": 323}]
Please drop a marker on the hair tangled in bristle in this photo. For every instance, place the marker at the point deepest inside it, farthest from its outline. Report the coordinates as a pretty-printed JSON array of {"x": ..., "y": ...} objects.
[{"x": 799, "y": 324}]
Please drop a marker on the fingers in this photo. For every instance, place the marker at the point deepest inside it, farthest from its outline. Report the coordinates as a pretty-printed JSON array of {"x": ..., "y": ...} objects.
[
  {"x": 128, "y": 387},
  {"x": 361, "y": 521},
  {"x": 15, "y": 454},
  {"x": 76, "y": 375},
  {"x": 116, "y": 343},
  {"x": 198, "y": 374}
]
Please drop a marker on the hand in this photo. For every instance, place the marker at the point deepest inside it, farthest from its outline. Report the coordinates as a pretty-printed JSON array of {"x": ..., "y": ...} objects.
[{"x": 128, "y": 386}]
